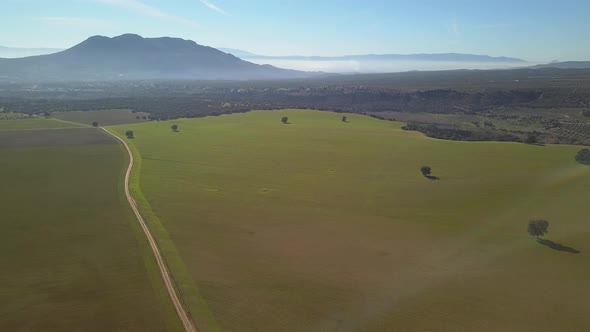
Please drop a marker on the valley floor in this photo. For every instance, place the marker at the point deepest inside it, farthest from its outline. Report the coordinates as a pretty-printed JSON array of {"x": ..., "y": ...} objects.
[{"x": 73, "y": 258}]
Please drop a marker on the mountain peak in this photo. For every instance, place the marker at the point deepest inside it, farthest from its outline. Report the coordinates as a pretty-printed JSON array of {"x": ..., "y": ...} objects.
[
  {"x": 125, "y": 36},
  {"x": 129, "y": 36},
  {"x": 131, "y": 56}
]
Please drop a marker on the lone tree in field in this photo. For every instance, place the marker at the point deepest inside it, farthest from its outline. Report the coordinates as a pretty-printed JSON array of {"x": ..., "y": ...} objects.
[
  {"x": 538, "y": 228},
  {"x": 583, "y": 156},
  {"x": 426, "y": 170},
  {"x": 129, "y": 134},
  {"x": 531, "y": 139},
  {"x": 95, "y": 124},
  {"x": 344, "y": 119},
  {"x": 285, "y": 119},
  {"x": 174, "y": 127}
]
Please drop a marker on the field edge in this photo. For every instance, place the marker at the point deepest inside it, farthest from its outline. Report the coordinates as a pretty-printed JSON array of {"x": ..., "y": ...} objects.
[
  {"x": 171, "y": 317},
  {"x": 188, "y": 291}
]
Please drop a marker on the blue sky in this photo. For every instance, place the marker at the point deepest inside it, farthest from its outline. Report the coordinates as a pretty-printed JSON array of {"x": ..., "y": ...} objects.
[{"x": 540, "y": 30}]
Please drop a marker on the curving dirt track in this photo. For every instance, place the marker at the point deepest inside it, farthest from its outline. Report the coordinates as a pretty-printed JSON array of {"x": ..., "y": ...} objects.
[{"x": 186, "y": 321}]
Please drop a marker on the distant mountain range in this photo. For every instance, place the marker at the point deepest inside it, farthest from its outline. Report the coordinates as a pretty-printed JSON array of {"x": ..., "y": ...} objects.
[
  {"x": 132, "y": 57},
  {"x": 15, "y": 52},
  {"x": 444, "y": 57},
  {"x": 566, "y": 65}
]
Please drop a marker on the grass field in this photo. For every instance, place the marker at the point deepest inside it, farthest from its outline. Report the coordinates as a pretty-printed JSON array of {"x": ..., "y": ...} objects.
[
  {"x": 69, "y": 136},
  {"x": 36, "y": 124},
  {"x": 103, "y": 117},
  {"x": 321, "y": 225},
  {"x": 73, "y": 257}
]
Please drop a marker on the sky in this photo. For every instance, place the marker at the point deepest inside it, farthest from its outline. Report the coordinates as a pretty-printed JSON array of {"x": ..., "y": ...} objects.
[{"x": 538, "y": 31}]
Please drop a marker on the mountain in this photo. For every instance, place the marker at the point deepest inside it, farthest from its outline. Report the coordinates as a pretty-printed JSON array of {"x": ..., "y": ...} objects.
[
  {"x": 132, "y": 57},
  {"x": 566, "y": 65},
  {"x": 15, "y": 52},
  {"x": 447, "y": 57},
  {"x": 238, "y": 53}
]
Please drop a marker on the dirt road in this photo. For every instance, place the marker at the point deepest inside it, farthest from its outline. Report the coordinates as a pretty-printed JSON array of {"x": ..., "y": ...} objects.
[{"x": 186, "y": 321}]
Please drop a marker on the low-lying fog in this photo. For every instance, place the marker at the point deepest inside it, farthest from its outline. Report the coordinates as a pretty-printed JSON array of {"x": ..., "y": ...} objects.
[{"x": 353, "y": 66}]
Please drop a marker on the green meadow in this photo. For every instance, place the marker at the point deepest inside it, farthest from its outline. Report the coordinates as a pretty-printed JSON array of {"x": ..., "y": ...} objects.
[
  {"x": 73, "y": 257},
  {"x": 322, "y": 225}
]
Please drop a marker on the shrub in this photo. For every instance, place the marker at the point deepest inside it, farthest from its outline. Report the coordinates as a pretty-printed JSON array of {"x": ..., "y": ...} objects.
[{"x": 583, "y": 156}]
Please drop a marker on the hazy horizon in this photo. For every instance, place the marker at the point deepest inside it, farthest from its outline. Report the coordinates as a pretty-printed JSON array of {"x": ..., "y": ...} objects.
[
  {"x": 325, "y": 65},
  {"x": 313, "y": 28},
  {"x": 372, "y": 67}
]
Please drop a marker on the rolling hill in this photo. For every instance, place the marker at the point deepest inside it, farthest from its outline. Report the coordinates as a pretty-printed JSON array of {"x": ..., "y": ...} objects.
[
  {"x": 132, "y": 57},
  {"x": 325, "y": 225}
]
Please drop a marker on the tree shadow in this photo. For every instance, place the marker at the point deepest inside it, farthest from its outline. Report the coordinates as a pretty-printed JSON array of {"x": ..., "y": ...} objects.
[
  {"x": 432, "y": 177},
  {"x": 558, "y": 246}
]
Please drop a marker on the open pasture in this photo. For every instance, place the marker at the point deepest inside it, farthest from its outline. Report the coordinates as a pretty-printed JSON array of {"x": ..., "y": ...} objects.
[
  {"x": 73, "y": 257},
  {"x": 53, "y": 137},
  {"x": 324, "y": 225}
]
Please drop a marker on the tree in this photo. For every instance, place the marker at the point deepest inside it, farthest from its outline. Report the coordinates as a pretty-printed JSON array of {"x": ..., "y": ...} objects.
[
  {"x": 174, "y": 127},
  {"x": 129, "y": 134},
  {"x": 538, "y": 227},
  {"x": 344, "y": 119},
  {"x": 285, "y": 119},
  {"x": 426, "y": 170},
  {"x": 531, "y": 139},
  {"x": 583, "y": 156},
  {"x": 95, "y": 124}
]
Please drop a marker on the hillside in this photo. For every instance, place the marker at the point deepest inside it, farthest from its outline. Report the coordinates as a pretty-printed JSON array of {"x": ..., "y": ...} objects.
[{"x": 129, "y": 57}]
